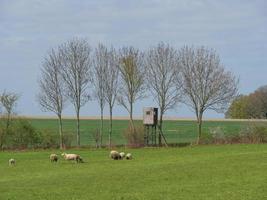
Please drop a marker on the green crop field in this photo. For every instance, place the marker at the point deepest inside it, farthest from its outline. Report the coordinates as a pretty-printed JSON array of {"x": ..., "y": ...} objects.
[
  {"x": 233, "y": 172},
  {"x": 181, "y": 131}
]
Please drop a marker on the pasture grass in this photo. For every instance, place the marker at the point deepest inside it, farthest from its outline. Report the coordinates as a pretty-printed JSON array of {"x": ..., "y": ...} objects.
[
  {"x": 233, "y": 172},
  {"x": 181, "y": 131}
]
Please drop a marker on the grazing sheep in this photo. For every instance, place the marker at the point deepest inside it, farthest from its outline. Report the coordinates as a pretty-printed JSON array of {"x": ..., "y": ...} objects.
[
  {"x": 129, "y": 156},
  {"x": 122, "y": 154},
  {"x": 53, "y": 157},
  {"x": 12, "y": 162},
  {"x": 72, "y": 156},
  {"x": 115, "y": 155}
]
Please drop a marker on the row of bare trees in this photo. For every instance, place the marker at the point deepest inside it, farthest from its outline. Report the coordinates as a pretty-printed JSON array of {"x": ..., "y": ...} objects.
[
  {"x": 106, "y": 82},
  {"x": 74, "y": 72}
]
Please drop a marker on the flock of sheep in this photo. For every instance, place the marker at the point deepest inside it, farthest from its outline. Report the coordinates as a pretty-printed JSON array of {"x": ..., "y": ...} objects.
[{"x": 115, "y": 155}]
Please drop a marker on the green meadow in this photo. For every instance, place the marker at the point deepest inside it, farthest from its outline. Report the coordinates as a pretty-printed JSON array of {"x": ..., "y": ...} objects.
[
  {"x": 180, "y": 131},
  {"x": 233, "y": 172}
]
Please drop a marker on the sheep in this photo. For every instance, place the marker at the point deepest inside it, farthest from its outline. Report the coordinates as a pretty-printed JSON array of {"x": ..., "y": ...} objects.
[
  {"x": 122, "y": 154},
  {"x": 12, "y": 162},
  {"x": 115, "y": 155},
  {"x": 75, "y": 157},
  {"x": 53, "y": 158},
  {"x": 129, "y": 156}
]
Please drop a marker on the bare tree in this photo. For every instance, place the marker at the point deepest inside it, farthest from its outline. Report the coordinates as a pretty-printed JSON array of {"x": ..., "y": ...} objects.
[
  {"x": 76, "y": 74},
  {"x": 162, "y": 66},
  {"x": 132, "y": 75},
  {"x": 8, "y": 101},
  {"x": 52, "y": 92},
  {"x": 111, "y": 84},
  {"x": 205, "y": 82},
  {"x": 100, "y": 64}
]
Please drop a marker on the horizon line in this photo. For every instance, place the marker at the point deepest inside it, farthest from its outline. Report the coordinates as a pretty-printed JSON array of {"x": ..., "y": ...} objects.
[{"x": 106, "y": 117}]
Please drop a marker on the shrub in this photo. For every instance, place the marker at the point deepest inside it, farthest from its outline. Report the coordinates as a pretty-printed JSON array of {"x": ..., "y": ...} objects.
[
  {"x": 49, "y": 139},
  {"x": 22, "y": 135},
  {"x": 253, "y": 134},
  {"x": 67, "y": 139},
  {"x": 2, "y": 135},
  {"x": 134, "y": 136},
  {"x": 218, "y": 135}
]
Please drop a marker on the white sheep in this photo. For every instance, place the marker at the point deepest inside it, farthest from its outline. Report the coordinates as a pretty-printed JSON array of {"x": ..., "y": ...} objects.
[
  {"x": 12, "y": 162},
  {"x": 72, "y": 156},
  {"x": 53, "y": 157},
  {"x": 122, "y": 154},
  {"x": 129, "y": 156},
  {"x": 115, "y": 155}
]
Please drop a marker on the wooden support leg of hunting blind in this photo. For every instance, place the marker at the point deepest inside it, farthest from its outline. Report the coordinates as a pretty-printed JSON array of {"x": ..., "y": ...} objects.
[
  {"x": 154, "y": 135},
  {"x": 150, "y": 135},
  {"x": 146, "y": 135}
]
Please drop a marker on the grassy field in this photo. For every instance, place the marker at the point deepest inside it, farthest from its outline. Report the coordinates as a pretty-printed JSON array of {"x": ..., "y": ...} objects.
[
  {"x": 181, "y": 131},
  {"x": 233, "y": 172}
]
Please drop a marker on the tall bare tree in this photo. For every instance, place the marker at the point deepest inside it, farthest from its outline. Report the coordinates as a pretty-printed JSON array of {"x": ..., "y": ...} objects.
[
  {"x": 132, "y": 74},
  {"x": 76, "y": 74},
  {"x": 8, "y": 101},
  {"x": 52, "y": 92},
  {"x": 205, "y": 82},
  {"x": 111, "y": 84},
  {"x": 162, "y": 66},
  {"x": 100, "y": 64}
]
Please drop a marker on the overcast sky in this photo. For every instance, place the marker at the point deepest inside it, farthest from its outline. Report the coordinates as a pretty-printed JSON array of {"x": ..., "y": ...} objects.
[{"x": 237, "y": 29}]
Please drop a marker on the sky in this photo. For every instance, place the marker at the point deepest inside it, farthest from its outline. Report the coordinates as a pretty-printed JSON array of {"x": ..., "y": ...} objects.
[{"x": 236, "y": 29}]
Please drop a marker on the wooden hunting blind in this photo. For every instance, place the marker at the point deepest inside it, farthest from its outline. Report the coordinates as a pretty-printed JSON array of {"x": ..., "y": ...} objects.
[
  {"x": 150, "y": 116},
  {"x": 150, "y": 121}
]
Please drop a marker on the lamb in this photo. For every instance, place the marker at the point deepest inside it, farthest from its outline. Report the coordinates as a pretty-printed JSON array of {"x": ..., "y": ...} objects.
[
  {"x": 12, "y": 162},
  {"x": 75, "y": 157},
  {"x": 122, "y": 154},
  {"x": 129, "y": 156},
  {"x": 53, "y": 157},
  {"x": 115, "y": 155}
]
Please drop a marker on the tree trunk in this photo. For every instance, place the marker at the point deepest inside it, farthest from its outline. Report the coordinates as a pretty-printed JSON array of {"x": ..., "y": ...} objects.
[
  {"x": 110, "y": 126},
  {"x": 8, "y": 121},
  {"x": 160, "y": 128},
  {"x": 102, "y": 127},
  {"x": 131, "y": 117},
  {"x": 131, "y": 113},
  {"x": 199, "y": 128},
  {"x": 78, "y": 129},
  {"x": 60, "y": 132}
]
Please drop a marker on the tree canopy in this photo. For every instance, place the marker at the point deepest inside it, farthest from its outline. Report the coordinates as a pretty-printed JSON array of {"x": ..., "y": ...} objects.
[{"x": 251, "y": 106}]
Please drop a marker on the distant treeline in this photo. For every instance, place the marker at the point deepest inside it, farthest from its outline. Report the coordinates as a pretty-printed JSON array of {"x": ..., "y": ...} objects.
[{"x": 252, "y": 106}]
